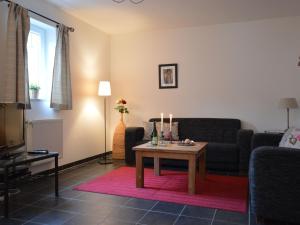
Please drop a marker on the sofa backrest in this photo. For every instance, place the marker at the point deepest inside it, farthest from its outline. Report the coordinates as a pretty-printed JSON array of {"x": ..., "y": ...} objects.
[{"x": 207, "y": 129}]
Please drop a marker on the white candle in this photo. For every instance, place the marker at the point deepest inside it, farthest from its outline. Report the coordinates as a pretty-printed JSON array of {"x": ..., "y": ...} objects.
[
  {"x": 170, "y": 122},
  {"x": 161, "y": 122}
]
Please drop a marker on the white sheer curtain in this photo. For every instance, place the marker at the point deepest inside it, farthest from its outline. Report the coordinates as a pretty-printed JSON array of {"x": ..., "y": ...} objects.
[
  {"x": 61, "y": 94},
  {"x": 14, "y": 84}
]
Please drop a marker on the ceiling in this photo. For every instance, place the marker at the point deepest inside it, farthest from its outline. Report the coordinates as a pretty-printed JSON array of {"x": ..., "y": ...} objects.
[{"x": 116, "y": 18}]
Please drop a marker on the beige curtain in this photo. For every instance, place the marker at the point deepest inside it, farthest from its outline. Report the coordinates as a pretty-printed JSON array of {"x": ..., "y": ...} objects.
[
  {"x": 61, "y": 94},
  {"x": 14, "y": 84}
]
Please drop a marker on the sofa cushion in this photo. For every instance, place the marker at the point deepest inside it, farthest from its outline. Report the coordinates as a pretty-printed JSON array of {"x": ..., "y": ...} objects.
[{"x": 221, "y": 152}]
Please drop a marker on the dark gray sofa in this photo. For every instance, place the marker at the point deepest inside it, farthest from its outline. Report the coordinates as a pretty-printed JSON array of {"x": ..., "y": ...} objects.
[
  {"x": 274, "y": 174},
  {"x": 228, "y": 147}
]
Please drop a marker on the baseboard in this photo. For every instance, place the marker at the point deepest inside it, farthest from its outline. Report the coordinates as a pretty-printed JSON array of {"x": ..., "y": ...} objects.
[{"x": 74, "y": 164}]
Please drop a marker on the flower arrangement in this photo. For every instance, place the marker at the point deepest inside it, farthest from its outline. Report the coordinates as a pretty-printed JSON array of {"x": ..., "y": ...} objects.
[{"x": 121, "y": 106}]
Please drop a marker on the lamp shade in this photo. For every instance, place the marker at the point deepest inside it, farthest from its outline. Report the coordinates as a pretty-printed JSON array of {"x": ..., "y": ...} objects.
[
  {"x": 288, "y": 103},
  {"x": 104, "y": 88}
]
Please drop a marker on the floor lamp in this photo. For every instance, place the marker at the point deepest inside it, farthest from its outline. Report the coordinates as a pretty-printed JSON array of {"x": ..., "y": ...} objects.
[
  {"x": 104, "y": 90},
  {"x": 288, "y": 103}
]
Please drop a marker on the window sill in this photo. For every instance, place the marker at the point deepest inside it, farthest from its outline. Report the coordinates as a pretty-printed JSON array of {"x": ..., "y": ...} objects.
[{"x": 37, "y": 100}]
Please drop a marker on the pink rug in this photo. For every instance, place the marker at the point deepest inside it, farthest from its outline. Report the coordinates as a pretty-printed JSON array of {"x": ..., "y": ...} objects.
[{"x": 221, "y": 192}]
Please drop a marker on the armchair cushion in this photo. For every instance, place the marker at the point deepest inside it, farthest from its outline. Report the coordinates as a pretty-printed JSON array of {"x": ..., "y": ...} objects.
[{"x": 275, "y": 183}]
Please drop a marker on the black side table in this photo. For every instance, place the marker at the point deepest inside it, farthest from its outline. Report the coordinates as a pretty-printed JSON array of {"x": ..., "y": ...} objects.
[{"x": 22, "y": 160}]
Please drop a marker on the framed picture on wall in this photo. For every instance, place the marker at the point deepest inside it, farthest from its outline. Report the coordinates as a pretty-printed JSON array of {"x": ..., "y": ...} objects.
[{"x": 167, "y": 76}]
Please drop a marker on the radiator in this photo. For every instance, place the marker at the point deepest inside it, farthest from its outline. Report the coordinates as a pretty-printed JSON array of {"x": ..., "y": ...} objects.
[{"x": 45, "y": 134}]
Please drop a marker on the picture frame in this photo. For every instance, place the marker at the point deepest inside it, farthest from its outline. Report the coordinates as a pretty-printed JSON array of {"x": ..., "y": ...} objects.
[{"x": 167, "y": 76}]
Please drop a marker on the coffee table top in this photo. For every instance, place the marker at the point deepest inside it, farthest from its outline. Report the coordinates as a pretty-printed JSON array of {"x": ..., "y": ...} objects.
[{"x": 174, "y": 147}]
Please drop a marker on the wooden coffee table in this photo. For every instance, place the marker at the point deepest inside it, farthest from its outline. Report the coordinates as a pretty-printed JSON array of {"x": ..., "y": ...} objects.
[{"x": 172, "y": 151}]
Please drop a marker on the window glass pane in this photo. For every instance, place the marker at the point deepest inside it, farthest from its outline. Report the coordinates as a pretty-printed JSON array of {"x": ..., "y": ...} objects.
[
  {"x": 41, "y": 50},
  {"x": 34, "y": 49}
]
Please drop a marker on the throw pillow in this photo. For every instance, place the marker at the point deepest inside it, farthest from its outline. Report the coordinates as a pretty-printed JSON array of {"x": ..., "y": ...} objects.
[
  {"x": 291, "y": 138},
  {"x": 148, "y": 128}
]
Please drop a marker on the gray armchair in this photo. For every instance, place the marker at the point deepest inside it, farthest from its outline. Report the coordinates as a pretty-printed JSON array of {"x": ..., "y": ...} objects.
[{"x": 274, "y": 174}]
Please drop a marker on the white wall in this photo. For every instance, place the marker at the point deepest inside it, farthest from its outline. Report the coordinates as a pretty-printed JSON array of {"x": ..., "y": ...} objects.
[
  {"x": 83, "y": 132},
  {"x": 237, "y": 70}
]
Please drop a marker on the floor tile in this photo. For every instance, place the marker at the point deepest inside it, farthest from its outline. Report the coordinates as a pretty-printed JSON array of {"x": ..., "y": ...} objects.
[
  {"x": 31, "y": 223},
  {"x": 27, "y": 213},
  {"x": 168, "y": 207},
  {"x": 89, "y": 197},
  {"x": 200, "y": 212},
  {"x": 76, "y": 206},
  {"x": 84, "y": 220},
  {"x": 50, "y": 202},
  {"x": 115, "y": 222},
  {"x": 183, "y": 220},
  {"x": 128, "y": 215},
  {"x": 10, "y": 222},
  {"x": 49, "y": 190},
  {"x": 69, "y": 193},
  {"x": 215, "y": 222},
  {"x": 141, "y": 203},
  {"x": 53, "y": 217},
  {"x": 26, "y": 198},
  {"x": 12, "y": 208},
  {"x": 232, "y": 217},
  {"x": 157, "y": 218},
  {"x": 113, "y": 200},
  {"x": 102, "y": 210}
]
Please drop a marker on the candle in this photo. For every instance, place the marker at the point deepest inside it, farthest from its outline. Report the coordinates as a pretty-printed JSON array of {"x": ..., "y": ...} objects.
[
  {"x": 161, "y": 122},
  {"x": 170, "y": 122}
]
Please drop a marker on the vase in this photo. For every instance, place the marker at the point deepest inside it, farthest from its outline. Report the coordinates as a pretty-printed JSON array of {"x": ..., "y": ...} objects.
[
  {"x": 34, "y": 94},
  {"x": 118, "y": 151}
]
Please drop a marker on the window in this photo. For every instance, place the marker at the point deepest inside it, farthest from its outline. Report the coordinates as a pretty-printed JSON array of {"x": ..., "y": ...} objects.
[{"x": 41, "y": 49}]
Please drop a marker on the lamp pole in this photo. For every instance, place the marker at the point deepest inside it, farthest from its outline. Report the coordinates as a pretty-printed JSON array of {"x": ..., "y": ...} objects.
[
  {"x": 104, "y": 90},
  {"x": 105, "y": 129},
  {"x": 288, "y": 118}
]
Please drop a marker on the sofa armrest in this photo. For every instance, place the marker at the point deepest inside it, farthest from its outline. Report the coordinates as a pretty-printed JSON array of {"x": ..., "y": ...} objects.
[
  {"x": 244, "y": 144},
  {"x": 265, "y": 139},
  {"x": 133, "y": 135},
  {"x": 275, "y": 183}
]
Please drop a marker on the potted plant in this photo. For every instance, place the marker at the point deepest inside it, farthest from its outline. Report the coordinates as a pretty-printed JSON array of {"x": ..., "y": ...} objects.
[{"x": 34, "y": 91}]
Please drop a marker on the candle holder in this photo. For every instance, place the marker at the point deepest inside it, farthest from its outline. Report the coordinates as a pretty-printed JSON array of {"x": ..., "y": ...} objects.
[
  {"x": 162, "y": 138},
  {"x": 169, "y": 137}
]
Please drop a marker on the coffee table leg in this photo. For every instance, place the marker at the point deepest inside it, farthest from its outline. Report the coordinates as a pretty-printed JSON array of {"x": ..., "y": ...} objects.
[
  {"x": 139, "y": 170},
  {"x": 156, "y": 166},
  {"x": 202, "y": 165},
  {"x": 192, "y": 175}
]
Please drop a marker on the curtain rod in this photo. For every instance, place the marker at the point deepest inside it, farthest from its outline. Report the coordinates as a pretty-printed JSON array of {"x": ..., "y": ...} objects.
[{"x": 47, "y": 18}]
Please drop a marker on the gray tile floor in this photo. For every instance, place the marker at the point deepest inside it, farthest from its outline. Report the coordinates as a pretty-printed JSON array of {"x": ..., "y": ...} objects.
[{"x": 36, "y": 204}]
